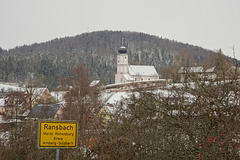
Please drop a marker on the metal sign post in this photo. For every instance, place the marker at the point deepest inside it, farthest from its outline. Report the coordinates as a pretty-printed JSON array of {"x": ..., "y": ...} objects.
[{"x": 57, "y": 154}]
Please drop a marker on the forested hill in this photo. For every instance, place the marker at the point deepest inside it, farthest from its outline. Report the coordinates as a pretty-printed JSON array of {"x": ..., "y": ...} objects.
[{"x": 96, "y": 50}]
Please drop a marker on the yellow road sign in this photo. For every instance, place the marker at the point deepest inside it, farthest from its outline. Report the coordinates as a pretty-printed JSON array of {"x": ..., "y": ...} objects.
[{"x": 57, "y": 134}]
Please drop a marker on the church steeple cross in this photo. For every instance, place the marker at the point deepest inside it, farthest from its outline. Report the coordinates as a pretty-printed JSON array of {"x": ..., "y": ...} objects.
[{"x": 123, "y": 42}]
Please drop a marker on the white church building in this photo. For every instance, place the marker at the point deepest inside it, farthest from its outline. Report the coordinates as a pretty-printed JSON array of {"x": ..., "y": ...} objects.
[{"x": 130, "y": 73}]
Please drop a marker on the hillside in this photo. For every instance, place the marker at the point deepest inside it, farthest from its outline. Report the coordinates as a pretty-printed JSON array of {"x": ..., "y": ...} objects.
[{"x": 96, "y": 50}]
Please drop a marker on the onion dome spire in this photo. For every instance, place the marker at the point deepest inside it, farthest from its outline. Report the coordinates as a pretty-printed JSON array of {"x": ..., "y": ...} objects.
[{"x": 122, "y": 49}]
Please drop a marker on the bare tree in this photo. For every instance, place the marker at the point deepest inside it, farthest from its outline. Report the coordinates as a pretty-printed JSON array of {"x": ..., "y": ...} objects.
[{"x": 197, "y": 120}]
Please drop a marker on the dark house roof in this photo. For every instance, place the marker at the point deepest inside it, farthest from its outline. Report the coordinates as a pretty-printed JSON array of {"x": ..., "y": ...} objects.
[{"x": 44, "y": 111}]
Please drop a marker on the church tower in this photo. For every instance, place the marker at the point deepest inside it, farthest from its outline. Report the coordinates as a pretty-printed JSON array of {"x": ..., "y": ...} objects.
[
  {"x": 132, "y": 73},
  {"x": 122, "y": 63}
]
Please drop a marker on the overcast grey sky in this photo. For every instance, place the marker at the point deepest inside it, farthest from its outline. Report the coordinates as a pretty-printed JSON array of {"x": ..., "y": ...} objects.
[{"x": 211, "y": 24}]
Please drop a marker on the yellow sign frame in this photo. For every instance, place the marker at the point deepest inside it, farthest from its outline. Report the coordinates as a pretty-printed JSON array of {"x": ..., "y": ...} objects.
[{"x": 57, "y": 134}]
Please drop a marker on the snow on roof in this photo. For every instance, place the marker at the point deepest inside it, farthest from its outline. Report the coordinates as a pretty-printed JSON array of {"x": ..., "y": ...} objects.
[
  {"x": 59, "y": 95},
  {"x": 94, "y": 83},
  {"x": 196, "y": 69},
  {"x": 26, "y": 113},
  {"x": 1, "y": 101},
  {"x": 163, "y": 93},
  {"x": 37, "y": 92},
  {"x": 142, "y": 70},
  {"x": 210, "y": 69},
  {"x": 128, "y": 77},
  {"x": 191, "y": 69},
  {"x": 111, "y": 109},
  {"x": 114, "y": 98}
]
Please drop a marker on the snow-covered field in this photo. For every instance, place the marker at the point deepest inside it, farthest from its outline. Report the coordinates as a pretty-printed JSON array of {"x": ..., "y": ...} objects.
[
  {"x": 2, "y": 120},
  {"x": 10, "y": 87}
]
